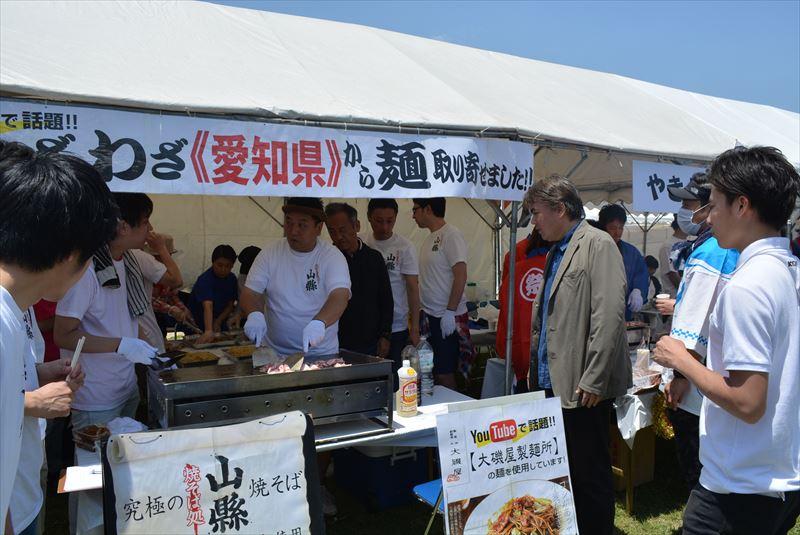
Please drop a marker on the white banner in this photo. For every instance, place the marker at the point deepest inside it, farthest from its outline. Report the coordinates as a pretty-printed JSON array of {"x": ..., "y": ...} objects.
[
  {"x": 503, "y": 463},
  {"x": 650, "y": 183},
  {"x": 155, "y": 153},
  {"x": 245, "y": 478}
]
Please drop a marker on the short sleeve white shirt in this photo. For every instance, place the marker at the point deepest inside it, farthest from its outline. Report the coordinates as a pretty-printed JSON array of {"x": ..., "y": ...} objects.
[
  {"x": 152, "y": 271},
  {"x": 13, "y": 344},
  {"x": 297, "y": 286},
  {"x": 28, "y": 498},
  {"x": 441, "y": 250},
  {"x": 754, "y": 327},
  {"x": 401, "y": 260},
  {"x": 110, "y": 378}
]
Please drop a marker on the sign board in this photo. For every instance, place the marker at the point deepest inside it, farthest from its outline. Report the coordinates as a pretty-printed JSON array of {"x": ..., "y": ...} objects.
[
  {"x": 168, "y": 153},
  {"x": 505, "y": 463},
  {"x": 650, "y": 183},
  {"x": 253, "y": 477}
]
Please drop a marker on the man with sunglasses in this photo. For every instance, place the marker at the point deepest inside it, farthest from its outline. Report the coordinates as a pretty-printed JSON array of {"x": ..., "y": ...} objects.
[{"x": 708, "y": 267}]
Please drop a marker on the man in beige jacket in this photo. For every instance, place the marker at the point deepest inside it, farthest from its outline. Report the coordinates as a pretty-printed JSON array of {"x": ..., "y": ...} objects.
[{"x": 578, "y": 346}]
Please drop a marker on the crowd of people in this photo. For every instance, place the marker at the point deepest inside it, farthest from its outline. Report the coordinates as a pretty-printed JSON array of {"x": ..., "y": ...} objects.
[{"x": 82, "y": 265}]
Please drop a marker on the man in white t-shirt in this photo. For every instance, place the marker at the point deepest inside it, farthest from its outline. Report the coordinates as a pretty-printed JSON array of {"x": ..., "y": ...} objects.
[
  {"x": 750, "y": 417},
  {"x": 707, "y": 269},
  {"x": 104, "y": 307},
  {"x": 49, "y": 390},
  {"x": 307, "y": 287},
  {"x": 61, "y": 204},
  {"x": 157, "y": 268},
  {"x": 443, "y": 276},
  {"x": 400, "y": 256}
]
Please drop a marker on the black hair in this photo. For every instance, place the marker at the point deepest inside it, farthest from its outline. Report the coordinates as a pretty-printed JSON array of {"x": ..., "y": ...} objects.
[
  {"x": 554, "y": 191},
  {"x": 52, "y": 205},
  {"x": 438, "y": 205},
  {"x": 377, "y": 204},
  {"x": 247, "y": 257},
  {"x": 223, "y": 251},
  {"x": 651, "y": 261},
  {"x": 315, "y": 203},
  {"x": 594, "y": 223},
  {"x": 764, "y": 176},
  {"x": 133, "y": 207},
  {"x": 611, "y": 212},
  {"x": 342, "y": 207},
  {"x": 674, "y": 223}
]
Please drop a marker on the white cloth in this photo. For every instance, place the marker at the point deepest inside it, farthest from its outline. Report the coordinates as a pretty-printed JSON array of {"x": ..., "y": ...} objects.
[
  {"x": 110, "y": 379},
  {"x": 708, "y": 269},
  {"x": 152, "y": 271},
  {"x": 401, "y": 260},
  {"x": 754, "y": 327},
  {"x": 440, "y": 251},
  {"x": 297, "y": 286},
  {"x": 13, "y": 341},
  {"x": 665, "y": 266},
  {"x": 28, "y": 498}
]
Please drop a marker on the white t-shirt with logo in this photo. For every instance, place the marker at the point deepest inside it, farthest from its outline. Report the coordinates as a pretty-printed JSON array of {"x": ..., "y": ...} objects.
[
  {"x": 110, "y": 379},
  {"x": 152, "y": 271},
  {"x": 297, "y": 286},
  {"x": 27, "y": 499},
  {"x": 441, "y": 251},
  {"x": 13, "y": 344},
  {"x": 754, "y": 327},
  {"x": 401, "y": 260}
]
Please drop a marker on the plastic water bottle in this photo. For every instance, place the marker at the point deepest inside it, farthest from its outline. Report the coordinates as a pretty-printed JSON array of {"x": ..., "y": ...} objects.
[
  {"x": 425, "y": 352},
  {"x": 407, "y": 393}
]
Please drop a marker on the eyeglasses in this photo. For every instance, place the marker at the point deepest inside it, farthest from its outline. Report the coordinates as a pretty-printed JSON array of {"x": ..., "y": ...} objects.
[{"x": 415, "y": 208}]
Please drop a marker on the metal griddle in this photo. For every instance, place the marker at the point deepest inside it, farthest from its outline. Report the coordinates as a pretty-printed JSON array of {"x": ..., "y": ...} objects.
[{"x": 222, "y": 394}]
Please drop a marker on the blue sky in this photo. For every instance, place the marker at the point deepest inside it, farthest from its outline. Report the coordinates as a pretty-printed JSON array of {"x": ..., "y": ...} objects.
[{"x": 742, "y": 50}]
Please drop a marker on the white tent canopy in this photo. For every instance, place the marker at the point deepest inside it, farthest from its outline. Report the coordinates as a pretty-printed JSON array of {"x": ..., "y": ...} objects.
[{"x": 204, "y": 58}]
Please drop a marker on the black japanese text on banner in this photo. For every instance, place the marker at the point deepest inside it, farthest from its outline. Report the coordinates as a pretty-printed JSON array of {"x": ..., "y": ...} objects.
[
  {"x": 650, "y": 183},
  {"x": 245, "y": 478},
  {"x": 154, "y": 153},
  {"x": 504, "y": 462}
]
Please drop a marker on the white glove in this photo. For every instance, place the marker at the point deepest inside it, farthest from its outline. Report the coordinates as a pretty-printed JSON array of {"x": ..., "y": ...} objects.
[
  {"x": 635, "y": 300},
  {"x": 256, "y": 328},
  {"x": 313, "y": 334},
  {"x": 448, "y": 323},
  {"x": 137, "y": 351}
]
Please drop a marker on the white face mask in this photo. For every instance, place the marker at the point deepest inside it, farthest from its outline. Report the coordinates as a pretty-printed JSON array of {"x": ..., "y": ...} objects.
[{"x": 685, "y": 222}]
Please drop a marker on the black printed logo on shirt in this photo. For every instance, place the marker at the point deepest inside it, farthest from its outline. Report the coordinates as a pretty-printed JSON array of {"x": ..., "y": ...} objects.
[
  {"x": 391, "y": 262},
  {"x": 312, "y": 281},
  {"x": 436, "y": 243}
]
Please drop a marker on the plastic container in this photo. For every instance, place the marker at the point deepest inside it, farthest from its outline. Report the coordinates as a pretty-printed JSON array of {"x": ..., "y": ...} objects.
[
  {"x": 425, "y": 352},
  {"x": 410, "y": 354},
  {"x": 407, "y": 393}
]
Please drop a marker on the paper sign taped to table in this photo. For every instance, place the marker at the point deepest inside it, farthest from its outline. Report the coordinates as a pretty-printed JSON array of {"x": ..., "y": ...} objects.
[
  {"x": 245, "y": 478},
  {"x": 506, "y": 466}
]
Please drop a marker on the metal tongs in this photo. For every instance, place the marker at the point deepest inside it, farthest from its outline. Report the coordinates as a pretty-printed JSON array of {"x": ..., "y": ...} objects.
[{"x": 166, "y": 360}]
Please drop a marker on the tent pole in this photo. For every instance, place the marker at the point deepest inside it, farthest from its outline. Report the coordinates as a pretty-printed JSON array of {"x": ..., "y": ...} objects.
[
  {"x": 512, "y": 287},
  {"x": 644, "y": 234}
]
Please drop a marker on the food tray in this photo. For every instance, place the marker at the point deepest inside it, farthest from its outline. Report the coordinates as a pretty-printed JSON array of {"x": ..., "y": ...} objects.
[
  {"x": 240, "y": 352},
  {"x": 198, "y": 358}
]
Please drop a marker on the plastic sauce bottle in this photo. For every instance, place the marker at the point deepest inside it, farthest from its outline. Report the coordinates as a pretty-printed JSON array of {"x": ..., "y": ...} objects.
[
  {"x": 409, "y": 353},
  {"x": 407, "y": 393},
  {"x": 425, "y": 352}
]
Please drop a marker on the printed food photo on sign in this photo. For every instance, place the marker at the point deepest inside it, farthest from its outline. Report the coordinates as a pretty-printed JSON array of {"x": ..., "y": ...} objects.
[{"x": 532, "y": 507}]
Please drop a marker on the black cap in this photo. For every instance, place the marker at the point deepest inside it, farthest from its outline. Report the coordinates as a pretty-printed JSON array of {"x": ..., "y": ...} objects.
[{"x": 698, "y": 189}]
